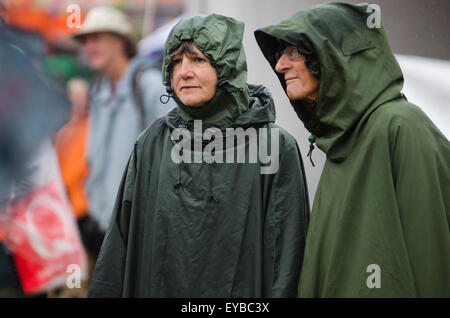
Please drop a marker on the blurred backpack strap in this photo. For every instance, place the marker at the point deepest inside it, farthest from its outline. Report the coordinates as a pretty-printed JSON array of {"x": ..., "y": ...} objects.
[{"x": 138, "y": 96}]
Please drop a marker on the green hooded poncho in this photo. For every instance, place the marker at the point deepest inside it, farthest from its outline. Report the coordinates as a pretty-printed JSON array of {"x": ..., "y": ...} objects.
[
  {"x": 199, "y": 229},
  {"x": 384, "y": 193}
]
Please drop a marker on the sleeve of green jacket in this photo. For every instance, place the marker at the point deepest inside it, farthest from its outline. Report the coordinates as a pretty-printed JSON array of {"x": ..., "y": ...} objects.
[
  {"x": 108, "y": 275},
  {"x": 291, "y": 218},
  {"x": 421, "y": 170}
]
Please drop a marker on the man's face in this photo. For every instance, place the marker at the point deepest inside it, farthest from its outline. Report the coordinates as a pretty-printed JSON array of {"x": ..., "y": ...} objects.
[
  {"x": 300, "y": 83},
  {"x": 194, "y": 79},
  {"x": 101, "y": 48}
]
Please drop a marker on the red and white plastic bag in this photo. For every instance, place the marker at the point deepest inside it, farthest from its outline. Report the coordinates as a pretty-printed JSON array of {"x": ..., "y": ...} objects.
[{"x": 41, "y": 230}]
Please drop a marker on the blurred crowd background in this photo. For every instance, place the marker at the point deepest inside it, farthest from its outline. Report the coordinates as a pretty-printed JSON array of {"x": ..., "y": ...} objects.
[
  {"x": 48, "y": 239},
  {"x": 45, "y": 85}
]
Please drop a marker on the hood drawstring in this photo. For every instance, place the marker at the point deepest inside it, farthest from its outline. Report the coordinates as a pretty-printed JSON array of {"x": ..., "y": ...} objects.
[
  {"x": 312, "y": 140},
  {"x": 168, "y": 96}
]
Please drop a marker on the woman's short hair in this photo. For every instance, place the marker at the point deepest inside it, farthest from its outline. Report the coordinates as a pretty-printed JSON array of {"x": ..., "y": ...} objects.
[{"x": 186, "y": 47}]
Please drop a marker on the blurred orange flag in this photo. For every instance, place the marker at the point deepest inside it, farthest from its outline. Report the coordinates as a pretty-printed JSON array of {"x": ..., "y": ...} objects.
[{"x": 52, "y": 26}]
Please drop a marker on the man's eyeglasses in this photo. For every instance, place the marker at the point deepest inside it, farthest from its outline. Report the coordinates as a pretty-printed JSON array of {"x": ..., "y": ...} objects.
[{"x": 291, "y": 52}]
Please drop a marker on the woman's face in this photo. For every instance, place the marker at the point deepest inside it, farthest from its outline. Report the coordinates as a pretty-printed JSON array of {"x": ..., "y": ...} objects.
[{"x": 193, "y": 78}]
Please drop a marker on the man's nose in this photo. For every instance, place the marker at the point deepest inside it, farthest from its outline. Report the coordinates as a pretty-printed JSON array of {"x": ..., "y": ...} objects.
[
  {"x": 283, "y": 64},
  {"x": 87, "y": 44}
]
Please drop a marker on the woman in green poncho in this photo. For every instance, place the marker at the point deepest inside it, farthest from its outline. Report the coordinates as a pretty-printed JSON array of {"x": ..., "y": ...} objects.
[
  {"x": 381, "y": 214},
  {"x": 187, "y": 224}
]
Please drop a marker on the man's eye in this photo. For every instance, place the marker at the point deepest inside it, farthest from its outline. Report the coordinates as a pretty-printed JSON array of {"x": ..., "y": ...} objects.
[
  {"x": 199, "y": 60},
  {"x": 176, "y": 61}
]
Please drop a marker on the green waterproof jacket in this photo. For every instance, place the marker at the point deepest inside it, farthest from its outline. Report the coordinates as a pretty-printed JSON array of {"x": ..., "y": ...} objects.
[
  {"x": 380, "y": 219},
  {"x": 208, "y": 229}
]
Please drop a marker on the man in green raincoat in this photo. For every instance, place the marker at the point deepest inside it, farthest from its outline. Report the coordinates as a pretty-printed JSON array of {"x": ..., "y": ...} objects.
[
  {"x": 195, "y": 222},
  {"x": 381, "y": 214}
]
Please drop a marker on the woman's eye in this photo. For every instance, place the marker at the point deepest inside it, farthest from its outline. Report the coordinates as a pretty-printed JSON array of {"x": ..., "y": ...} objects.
[
  {"x": 176, "y": 61},
  {"x": 199, "y": 60}
]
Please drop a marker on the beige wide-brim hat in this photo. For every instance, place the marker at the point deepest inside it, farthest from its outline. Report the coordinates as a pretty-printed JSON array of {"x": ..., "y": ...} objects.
[{"x": 105, "y": 19}]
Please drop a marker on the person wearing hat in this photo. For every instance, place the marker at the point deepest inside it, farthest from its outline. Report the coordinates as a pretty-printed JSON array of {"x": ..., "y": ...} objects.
[
  {"x": 123, "y": 101},
  {"x": 381, "y": 213}
]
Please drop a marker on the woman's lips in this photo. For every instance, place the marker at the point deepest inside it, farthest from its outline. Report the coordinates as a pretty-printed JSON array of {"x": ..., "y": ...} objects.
[{"x": 188, "y": 87}]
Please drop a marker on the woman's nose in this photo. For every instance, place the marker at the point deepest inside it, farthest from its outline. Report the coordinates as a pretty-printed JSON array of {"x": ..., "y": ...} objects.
[{"x": 185, "y": 68}]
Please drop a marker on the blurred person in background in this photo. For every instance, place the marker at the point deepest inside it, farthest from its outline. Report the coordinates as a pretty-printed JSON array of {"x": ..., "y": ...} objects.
[
  {"x": 124, "y": 100},
  {"x": 381, "y": 214},
  {"x": 70, "y": 144}
]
